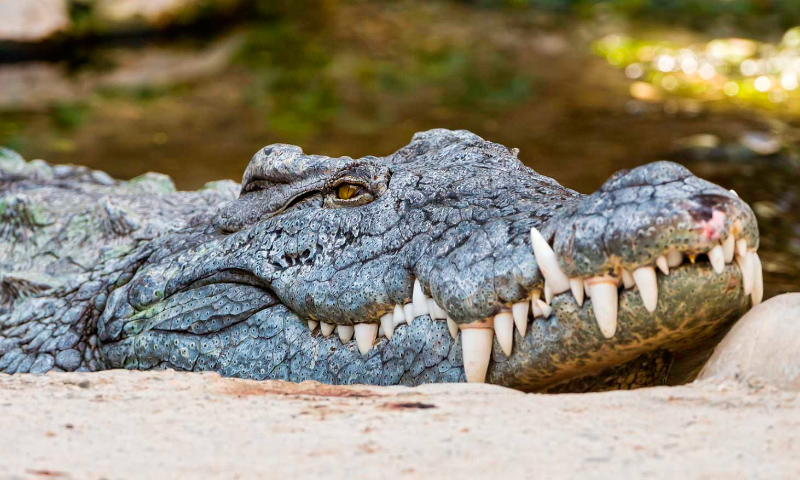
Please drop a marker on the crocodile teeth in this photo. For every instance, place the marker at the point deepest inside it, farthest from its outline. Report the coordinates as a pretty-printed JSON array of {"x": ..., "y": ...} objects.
[
  {"x": 717, "y": 257},
  {"x": 645, "y": 278},
  {"x": 576, "y": 285},
  {"x": 627, "y": 279},
  {"x": 674, "y": 258},
  {"x": 537, "y": 312},
  {"x": 326, "y": 328},
  {"x": 345, "y": 332},
  {"x": 746, "y": 267},
  {"x": 520, "y": 313},
  {"x": 741, "y": 247},
  {"x": 453, "y": 327},
  {"x": 408, "y": 312},
  {"x": 548, "y": 263},
  {"x": 729, "y": 248},
  {"x": 587, "y": 289},
  {"x": 436, "y": 311},
  {"x": 544, "y": 308},
  {"x": 604, "y": 300},
  {"x": 504, "y": 330},
  {"x": 365, "y": 336},
  {"x": 312, "y": 325},
  {"x": 548, "y": 293},
  {"x": 387, "y": 325},
  {"x": 661, "y": 263},
  {"x": 419, "y": 300},
  {"x": 398, "y": 316},
  {"x": 476, "y": 349},
  {"x": 758, "y": 278}
]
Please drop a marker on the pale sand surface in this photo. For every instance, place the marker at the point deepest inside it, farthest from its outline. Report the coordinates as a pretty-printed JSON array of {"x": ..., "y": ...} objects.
[{"x": 122, "y": 424}]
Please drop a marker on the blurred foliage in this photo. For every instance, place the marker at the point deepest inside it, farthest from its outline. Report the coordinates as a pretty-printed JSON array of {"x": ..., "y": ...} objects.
[
  {"x": 751, "y": 73},
  {"x": 695, "y": 13}
]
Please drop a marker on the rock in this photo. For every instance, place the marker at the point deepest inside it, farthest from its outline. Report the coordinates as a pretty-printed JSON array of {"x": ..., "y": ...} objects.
[
  {"x": 763, "y": 347},
  {"x": 32, "y": 20}
]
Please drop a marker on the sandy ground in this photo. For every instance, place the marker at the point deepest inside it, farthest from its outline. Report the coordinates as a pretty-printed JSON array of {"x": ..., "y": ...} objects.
[{"x": 124, "y": 424}]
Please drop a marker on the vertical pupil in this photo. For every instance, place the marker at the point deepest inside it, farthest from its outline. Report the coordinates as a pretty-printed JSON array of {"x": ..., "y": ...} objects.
[{"x": 346, "y": 191}]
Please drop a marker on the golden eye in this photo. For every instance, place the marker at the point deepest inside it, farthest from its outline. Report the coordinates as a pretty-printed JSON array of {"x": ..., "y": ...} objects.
[{"x": 347, "y": 191}]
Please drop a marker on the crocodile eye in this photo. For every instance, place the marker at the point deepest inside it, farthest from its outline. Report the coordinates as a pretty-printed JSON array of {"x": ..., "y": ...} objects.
[{"x": 346, "y": 191}]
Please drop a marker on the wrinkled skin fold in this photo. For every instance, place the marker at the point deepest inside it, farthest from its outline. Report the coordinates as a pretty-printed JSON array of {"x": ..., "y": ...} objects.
[{"x": 241, "y": 280}]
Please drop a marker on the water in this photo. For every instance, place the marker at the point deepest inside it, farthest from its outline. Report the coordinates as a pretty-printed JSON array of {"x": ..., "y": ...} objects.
[{"x": 365, "y": 78}]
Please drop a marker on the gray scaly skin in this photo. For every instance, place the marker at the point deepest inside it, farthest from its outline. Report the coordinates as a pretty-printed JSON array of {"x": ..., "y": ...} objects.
[{"x": 97, "y": 273}]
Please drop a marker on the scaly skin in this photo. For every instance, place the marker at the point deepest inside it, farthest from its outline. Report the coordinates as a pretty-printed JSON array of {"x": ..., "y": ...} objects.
[{"x": 98, "y": 273}]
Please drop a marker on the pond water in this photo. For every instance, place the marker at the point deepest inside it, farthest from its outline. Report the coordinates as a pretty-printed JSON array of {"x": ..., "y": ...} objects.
[{"x": 364, "y": 77}]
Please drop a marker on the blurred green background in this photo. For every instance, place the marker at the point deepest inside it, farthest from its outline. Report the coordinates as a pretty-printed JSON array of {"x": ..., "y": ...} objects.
[{"x": 192, "y": 88}]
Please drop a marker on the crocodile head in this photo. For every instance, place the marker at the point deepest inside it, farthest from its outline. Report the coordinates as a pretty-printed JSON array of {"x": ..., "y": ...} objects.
[{"x": 447, "y": 260}]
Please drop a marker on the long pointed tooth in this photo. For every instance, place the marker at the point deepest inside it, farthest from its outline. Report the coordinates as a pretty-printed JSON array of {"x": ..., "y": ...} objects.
[
  {"x": 312, "y": 325},
  {"x": 408, "y": 312},
  {"x": 645, "y": 278},
  {"x": 746, "y": 267},
  {"x": 576, "y": 285},
  {"x": 520, "y": 313},
  {"x": 729, "y": 247},
  {"x": 387, "y": 325},
  {"x": 365, "y": 336},
  {"x": 436, "y": 311},
  {"x": 476, "y": 349},
  {"x": 717, "y": 257},
  {"x": 758, "y": 278},
  {"x": 548, "y": 293},
  {"x": 548, "y": 263},
  {"x": 326, "y": 328},
  {"x": 419, "y": 300},
  {"x": 544, "y": 308},
  {"x": 627, "y": 279},
  {"x": 453, "y": 327},
  {"x": 398, "y": 316},
  {"x": 741, "y": 247},
  {"x": 345, "y": 332},
  {"x": 504, "y": 330},
  {"x": 661, "y": 262},
  {"x": 674, "y": 258},
  {"x": 604, "y": 301}
]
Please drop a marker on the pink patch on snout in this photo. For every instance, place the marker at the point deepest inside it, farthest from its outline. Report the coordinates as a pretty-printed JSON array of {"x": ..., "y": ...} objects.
[{"x": 713, "y": 228}]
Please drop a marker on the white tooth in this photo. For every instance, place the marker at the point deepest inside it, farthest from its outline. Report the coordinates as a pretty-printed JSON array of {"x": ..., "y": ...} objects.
[
  {"x": 604, "y": 301},
  {"x": 381, "y": 333},
  {"x": 717, "y": 258},
  {"x": 419, "y": 300},
  {"x": 327, "y": 328},
  {"x": 548, "y": 293},
  {"x": 758, "y": 278},
  {"x": 453, "y": 327},
  {"x": 437, "y": 311},
  {"x": 734, "y": 193},
  {"x": 661, "y": 262},
  {"x": 476, "y": 349},
  {"x": 674, "y": 258},
  {"x": 398, "y": 316},
  {"x": 544, "y": 308},
  {"x": 345, "y": 332},
  {"x": 504, "y": 330},
  {"x": 648, "y": 286},
  {"x": 729, "y": 247},
  {"x": 587, "y": 289},
  {"x": 520, "y": 312},
  {"x": 548, "y": 263},
  {"x": 312, "y": 325},
  {"x": 576, "y": 285},
  {"x": 408, "y": 312},
  {"x": 746, "y": 267},
  {"x": 627, "y": 279},
  {"x": 365, "y": 336},
  {"x": 387, "y": 325},
  {"x": 741, "y": 247}
]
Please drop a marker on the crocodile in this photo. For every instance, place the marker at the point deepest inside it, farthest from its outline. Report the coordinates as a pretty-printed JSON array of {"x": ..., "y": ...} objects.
[{"x": 448, "y": 260}]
